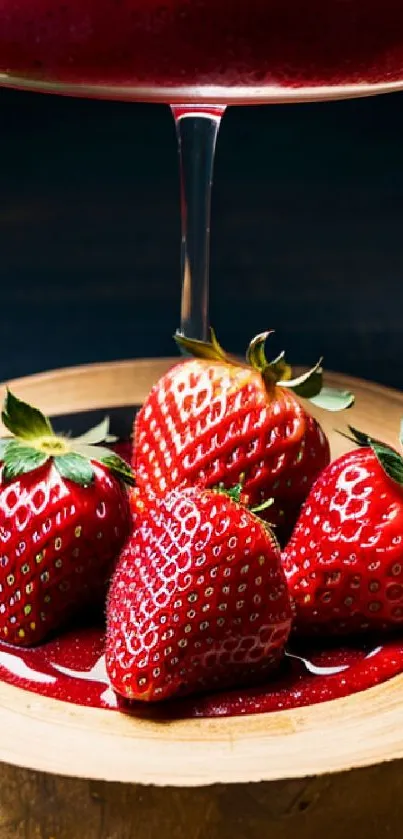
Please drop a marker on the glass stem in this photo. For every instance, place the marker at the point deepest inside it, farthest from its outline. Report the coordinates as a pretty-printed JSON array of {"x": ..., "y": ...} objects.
[{"x": 197, "y": 129}]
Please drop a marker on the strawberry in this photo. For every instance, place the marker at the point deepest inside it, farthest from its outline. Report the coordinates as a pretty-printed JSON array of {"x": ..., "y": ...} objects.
[
  {"x": 344, "y": 563},
  {"x": 198, "y": 599},
  {"x": 64, "y": 517},
  {"x": 213, "y": 418}
]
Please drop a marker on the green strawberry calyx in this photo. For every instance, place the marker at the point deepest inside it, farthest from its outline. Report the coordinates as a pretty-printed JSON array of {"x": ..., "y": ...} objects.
[
  {"x": 237, "y": 493},
  {"x": 278, "y": 372},
  {"x": 34, "y": 443},
  {"x": 388, "y": 458}
]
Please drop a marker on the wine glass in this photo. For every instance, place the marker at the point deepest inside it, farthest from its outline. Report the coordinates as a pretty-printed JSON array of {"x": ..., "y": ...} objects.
[{"x": 199, "y": 56}]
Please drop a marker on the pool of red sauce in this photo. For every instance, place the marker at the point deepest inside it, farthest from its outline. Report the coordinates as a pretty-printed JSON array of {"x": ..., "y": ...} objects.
[{"x": 71, "y": 668}]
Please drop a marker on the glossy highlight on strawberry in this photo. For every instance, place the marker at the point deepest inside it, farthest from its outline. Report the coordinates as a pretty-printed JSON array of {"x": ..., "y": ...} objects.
[
  {"x": 344, "y": 563},
  {"x": 64, "y": 517},
  {"x": 198, "y": 600},
  {"x": 213, "y": 418}
]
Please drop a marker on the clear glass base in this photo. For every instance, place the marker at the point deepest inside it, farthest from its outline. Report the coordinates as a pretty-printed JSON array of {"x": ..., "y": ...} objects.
[{"x": 203, "y": 94}]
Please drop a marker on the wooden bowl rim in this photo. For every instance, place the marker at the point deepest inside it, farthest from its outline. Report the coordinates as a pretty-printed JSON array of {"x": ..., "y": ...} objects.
[{"x": 48, "y": 735}]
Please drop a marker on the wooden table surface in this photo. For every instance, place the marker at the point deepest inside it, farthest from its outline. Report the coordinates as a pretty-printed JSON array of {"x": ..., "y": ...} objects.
[{"x": 307, "y": 221}]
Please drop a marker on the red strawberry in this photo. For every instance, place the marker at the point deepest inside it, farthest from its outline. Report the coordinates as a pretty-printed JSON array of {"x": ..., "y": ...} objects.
[
  {"x": 64, "y": 517},
  {"x": 198, "y": 599},
  {"x": 344, "y": 563},
  {"x": 209, "y": 420}
]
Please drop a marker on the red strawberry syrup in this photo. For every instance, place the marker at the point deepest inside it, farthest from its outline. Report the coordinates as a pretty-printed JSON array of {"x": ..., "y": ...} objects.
[{"x": 71, "y": 668}]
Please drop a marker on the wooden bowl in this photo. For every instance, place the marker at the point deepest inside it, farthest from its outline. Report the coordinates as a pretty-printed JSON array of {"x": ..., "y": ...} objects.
[{"x": 272, "y": 773}]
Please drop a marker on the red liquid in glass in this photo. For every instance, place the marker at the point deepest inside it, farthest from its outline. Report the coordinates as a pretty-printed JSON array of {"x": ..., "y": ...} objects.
[{"x": 147, "y": 48}]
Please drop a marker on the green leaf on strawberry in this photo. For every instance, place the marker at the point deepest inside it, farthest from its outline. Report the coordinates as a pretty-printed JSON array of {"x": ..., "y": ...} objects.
[
  {"x": 237, "y": 493},
  {"x": 95, "y": 435},
  {"x": 308, "y": 385},
  {"x": 23, "y": 420},
  {"x": 118, "y": 467},
  {"x": 210, "y": 350},
  {"x": 20, "y": 459},
  {"x": 101, "y": 454},
  {"x": 281, "y": 369},
  {"x": 4, "y": 442},
  {"x": 234, "y": 492},
  {"x": 75, "y": 468},
  {"x": 256, "y": 357},
  {"x": 390, "y": 460},
  {"x": 333, "y": 399},
  {"x": 34, "y": 443}
]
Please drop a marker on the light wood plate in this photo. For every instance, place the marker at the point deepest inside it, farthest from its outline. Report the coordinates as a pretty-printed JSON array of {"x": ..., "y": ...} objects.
[{"x": 52, "y": 736}]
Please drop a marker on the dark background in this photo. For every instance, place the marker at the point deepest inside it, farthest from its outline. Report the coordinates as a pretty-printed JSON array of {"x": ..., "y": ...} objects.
[{"x": 307, "y": 232}]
